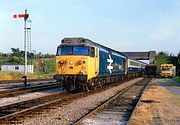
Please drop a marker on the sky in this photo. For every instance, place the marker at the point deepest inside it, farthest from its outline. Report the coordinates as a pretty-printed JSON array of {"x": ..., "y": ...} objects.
[{"x": 123, "y": 25}]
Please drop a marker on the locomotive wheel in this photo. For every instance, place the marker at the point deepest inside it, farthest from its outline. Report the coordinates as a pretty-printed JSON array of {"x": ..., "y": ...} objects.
[
  {"x": 94, "y": 84},
  {"x": 87, "y": 88},
  {"x": 104, "y": 82},
  {"x": 100, "y": 83},
  {"x": 89, "y": 84}
]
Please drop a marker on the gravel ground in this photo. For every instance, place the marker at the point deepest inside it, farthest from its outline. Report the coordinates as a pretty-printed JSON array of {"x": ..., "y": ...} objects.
[
  {"x": 158, "y": 106},
  {"x": 66, "y": 114},
  {"x": 119, "y": 110},
  {"x": 28, "y": 96}
]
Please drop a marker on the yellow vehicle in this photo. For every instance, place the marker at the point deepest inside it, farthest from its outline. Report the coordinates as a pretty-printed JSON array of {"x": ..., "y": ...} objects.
[{"x": 167, "y": 70}]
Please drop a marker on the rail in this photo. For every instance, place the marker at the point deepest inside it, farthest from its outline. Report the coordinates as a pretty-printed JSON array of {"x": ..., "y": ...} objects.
[{"x": 103, "y": 105}]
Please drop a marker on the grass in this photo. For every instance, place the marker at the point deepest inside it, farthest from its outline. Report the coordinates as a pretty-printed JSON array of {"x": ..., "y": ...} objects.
[
  {"x": 49, "y": 67},
  {"x": 177, "y": 79},
  {"x": 169, "y": 84},
  {"x": 10, "y": 75}
]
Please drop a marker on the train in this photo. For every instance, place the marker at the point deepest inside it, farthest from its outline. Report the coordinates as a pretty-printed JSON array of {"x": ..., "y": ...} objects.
[
  {"x": 151, "y": 70},
  {"x": 86, "y": 65},
  {"x": 167, "y": 70}
]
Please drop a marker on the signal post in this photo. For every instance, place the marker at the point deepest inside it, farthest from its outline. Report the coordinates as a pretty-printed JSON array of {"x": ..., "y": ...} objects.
[{"x": 25, "y": 16}]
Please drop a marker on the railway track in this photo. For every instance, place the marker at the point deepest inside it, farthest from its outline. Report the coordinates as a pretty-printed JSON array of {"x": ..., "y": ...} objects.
[
  {"x": 14, "y": 112},
  {"x": 17, "y": 111},
  {"x": 118, "y": 109},
  {"x": 19, "y": 108},
  {"x": 138, "y": 101},
  {"x": 23, "y": 90},
  {"x": 21, "y": 81}
]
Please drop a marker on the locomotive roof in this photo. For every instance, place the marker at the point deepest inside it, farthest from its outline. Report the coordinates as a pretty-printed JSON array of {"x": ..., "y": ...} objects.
[{"x": 87, "y": 42}]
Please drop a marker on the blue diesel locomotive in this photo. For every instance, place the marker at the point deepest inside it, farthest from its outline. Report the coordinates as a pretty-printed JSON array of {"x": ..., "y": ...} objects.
[{"x": 84, "y": 64}]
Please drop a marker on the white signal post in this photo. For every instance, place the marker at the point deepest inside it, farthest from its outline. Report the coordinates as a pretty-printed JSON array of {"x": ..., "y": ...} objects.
[
  {"x": 25, "y": 16},
  {"x": 25, "y": 47}
]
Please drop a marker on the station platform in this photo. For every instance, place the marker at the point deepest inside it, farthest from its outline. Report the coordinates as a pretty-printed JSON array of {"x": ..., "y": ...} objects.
[{"x": 160, "y": 104}]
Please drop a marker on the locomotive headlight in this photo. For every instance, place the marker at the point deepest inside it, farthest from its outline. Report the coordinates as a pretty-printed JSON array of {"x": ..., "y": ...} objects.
[
  {"x": 70, "y": 62},
  {"x": 61, "y": 62},
  {"x": 80, "y": 62}
]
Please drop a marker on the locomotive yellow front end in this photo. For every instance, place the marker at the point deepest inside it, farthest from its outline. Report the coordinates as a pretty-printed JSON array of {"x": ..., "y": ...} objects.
[
  {"x": 76, "y": 63},
  {"x": 167, "y": 70},
  {"x": 72, "y": 67}
]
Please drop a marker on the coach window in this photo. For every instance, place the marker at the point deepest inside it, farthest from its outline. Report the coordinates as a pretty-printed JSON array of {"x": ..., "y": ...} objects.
[{"x": 91, "y": 52}]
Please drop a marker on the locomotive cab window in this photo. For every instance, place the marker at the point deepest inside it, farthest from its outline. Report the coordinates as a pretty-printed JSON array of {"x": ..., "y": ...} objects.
[
  {"x": 76, "y": 50},
  {"x": 92, "y": 52},
  {"x": 65, "y": 50},
  {"x": 165, "y": 69},
  {"x": 80, "y": 50}
]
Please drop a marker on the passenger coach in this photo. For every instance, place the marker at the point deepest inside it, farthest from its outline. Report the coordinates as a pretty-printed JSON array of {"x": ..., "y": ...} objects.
[{"x": 135, "y": 67}]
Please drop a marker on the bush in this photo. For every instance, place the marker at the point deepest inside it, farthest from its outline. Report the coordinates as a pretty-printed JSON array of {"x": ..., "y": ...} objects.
[
  {"x": 177, "y": 79},
  {"x": 50, "y": 65}
]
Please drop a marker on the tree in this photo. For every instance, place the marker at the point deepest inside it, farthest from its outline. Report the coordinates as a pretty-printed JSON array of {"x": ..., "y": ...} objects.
[
  {"x": 15, "y": 50},
  {"x": 161, "y": 58},
  {"x": 178, "y": 57},
  {"x": 14, "y": 60},
  {"x": 16, "y": 57},
  {"x": 178, "y": 68}
]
